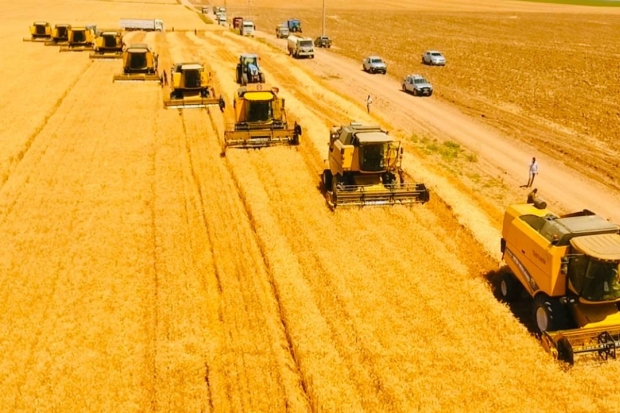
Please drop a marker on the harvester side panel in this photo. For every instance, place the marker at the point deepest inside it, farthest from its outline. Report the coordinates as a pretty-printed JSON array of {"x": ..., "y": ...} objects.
[
  {"x": 341, "y": 157},
  {"x": 531, "y": 250}
]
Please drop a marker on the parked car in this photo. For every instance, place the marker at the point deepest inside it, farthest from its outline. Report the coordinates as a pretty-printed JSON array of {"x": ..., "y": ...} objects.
[
  {"x": 323, "y": 41},
  {"x": 417, "y": 85},
  {"x": 374, "y": 64},
  {"x": 433, "y": 58}
]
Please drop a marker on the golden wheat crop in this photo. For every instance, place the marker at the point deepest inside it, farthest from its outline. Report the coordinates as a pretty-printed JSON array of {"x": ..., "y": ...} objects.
[{"x": 141, "y": 271}]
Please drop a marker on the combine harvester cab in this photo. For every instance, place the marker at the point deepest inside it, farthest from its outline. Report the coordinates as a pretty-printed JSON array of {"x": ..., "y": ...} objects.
[
  {"x": 365, "y": 169},
  {"x": 60, "y": 35},
  {"x": 139, "y": 64},
  {"x": 79, "y": 39},
  {"x": 569, "y": 265},
  {"x": 39, "y": 32},
  {"x": 108, "y": 45},
  {"x": 260, "y": 120},
  {"x": 190, "y": 88}
]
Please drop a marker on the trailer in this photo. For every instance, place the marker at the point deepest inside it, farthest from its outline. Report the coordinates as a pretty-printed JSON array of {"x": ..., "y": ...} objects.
[{"x": 142, "y": 24}]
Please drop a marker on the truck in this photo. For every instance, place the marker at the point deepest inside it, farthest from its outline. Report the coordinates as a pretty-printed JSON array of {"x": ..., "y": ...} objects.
[
  {"x": 299, "y": 47},
  {"x": 148, "y": 25},
  {"x": 282, "y": 31},
  {"x": 294, "y": 25},
  {"x": 237, "y": 22},
  {"x": 247, "y": 28},
  {"x": 220, "y": 17}
]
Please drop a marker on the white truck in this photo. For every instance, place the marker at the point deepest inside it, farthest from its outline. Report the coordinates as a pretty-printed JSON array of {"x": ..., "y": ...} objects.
[
  {"x": 300, "y": 47},
  {"x": 148, "y": 25},
  {"x": 247, "y": 28}
]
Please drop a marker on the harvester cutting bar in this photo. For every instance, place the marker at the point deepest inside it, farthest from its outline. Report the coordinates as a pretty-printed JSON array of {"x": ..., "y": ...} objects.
[
  {"x": 110, "y": 55},
  {"x": 190, "y": 103},
  {"x": 260, "y": 138},
  {"x": 37, "y": 39},
  {"x": 75, "y": 48},
  {"x": 568, "y": 343},
  {"x": 56, "y": 43},
  {"x": 137, "y": 77},
  {"x": 358, "y": 195}
]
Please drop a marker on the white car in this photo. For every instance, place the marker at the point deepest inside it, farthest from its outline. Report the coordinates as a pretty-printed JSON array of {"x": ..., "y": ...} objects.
[
  {"x": 433, "y": 58},
  {"x": 417, "y": 85},
  {"x": 374, "y": 64}
]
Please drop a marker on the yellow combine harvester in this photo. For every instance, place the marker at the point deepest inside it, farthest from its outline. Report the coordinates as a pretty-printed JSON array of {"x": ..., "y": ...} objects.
[
  {"x": 190, "y": 87},
  {"x": 139, "y": 64},
  {"x": 108, "y": 45},
  {"x": 39, "y": 32},
  {"x": 260, "y": 120},
  {"x": 60, "y": 35},
  {"x": 365, "y": 169},
  {"x": 79, "y": 39},
  {"x": 569, "y": 265}
]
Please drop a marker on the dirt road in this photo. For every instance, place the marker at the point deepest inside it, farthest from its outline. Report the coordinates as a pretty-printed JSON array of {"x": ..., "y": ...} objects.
[{"x": 498, "y": 156}]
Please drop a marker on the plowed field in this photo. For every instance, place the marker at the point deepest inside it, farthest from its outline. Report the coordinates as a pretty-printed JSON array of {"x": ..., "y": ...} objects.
[{"x": 141, "y": 271}]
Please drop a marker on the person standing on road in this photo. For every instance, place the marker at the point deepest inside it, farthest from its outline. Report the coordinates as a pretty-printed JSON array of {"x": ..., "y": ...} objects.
[
  {"x": 368, "y": 102},
  {"x": 533, "y": 172}
]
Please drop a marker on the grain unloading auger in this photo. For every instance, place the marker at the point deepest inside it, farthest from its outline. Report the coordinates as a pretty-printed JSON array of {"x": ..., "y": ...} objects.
[
  {"x": 260, "y": 120},
  {"x": 569, "y": 264},
  {"x": 190, "y": 88},
  {"x": 365, "y": 169},
  {"x": 139, "y": 64}
]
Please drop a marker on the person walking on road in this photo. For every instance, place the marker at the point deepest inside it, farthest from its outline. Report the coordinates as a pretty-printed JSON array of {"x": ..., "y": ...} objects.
[
  {"x": 165, "y": 79},
  {"x": 368, "y": 102},
  {"x": 533, "y": 172}
]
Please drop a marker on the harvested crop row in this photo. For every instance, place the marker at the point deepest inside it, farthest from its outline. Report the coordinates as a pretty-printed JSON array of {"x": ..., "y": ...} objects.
[{"x": 248, "y": 363}]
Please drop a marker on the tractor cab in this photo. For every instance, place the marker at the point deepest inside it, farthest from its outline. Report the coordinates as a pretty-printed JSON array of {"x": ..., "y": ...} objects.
[{"x": 248, "y": 70}]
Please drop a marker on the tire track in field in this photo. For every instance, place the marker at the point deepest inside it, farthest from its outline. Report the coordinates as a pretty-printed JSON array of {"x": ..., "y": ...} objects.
[
  {"x": 15, "y": 162},
  {"x": 272, "y": 283},
  {"x": 240, "y": 273}
]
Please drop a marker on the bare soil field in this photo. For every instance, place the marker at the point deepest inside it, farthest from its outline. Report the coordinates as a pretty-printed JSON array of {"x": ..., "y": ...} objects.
[
  {"x": 530, "y": 75},
  {"x": 141, "y": 271}
]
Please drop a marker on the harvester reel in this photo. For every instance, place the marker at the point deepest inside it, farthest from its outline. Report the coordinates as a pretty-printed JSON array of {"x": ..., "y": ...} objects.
[{"x": 608, "y": 346}]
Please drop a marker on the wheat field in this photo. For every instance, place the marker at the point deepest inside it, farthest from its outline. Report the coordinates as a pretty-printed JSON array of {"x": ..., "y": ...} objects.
[{"x": 143, "y": 272}]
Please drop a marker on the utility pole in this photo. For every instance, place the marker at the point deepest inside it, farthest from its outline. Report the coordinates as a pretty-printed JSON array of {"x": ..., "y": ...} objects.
[{"x": 323, "y": 29}]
